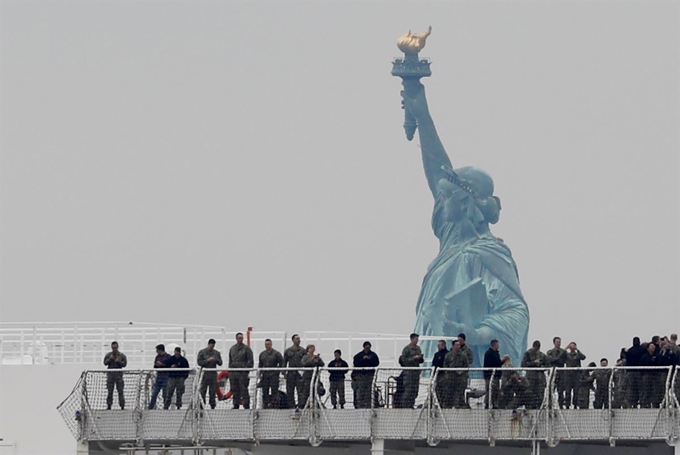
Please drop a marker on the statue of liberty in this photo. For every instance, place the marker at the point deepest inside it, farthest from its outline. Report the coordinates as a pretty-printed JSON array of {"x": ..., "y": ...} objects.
[{"x": 472, "y": 286}]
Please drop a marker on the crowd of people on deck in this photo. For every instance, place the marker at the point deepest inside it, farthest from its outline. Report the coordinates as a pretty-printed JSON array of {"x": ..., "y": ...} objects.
[
  {"x": 506, "y": 386},
  {"x": 631, "y": 387}
]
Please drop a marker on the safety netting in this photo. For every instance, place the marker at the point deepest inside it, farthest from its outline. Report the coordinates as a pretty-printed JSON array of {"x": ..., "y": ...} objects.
[
  {"x": 71, "y": 409},
  {"x": 317, "y": 404}
]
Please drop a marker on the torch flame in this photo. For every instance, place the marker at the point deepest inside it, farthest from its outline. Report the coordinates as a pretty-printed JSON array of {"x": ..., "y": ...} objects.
[{"x": 412, "y": 44}]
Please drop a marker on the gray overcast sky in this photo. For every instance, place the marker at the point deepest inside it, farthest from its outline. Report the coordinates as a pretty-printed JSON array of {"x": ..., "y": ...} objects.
[{"x": 244, "y": 163}]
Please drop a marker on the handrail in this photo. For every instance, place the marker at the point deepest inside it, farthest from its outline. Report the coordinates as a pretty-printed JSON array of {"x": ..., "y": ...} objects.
[
  {"x": 428, "y": 418},
  {"x": 85, "y": 343}
]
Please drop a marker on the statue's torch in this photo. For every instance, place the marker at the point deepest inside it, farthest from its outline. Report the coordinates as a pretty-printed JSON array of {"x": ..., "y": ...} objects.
[{"x": 411, "y": 68}]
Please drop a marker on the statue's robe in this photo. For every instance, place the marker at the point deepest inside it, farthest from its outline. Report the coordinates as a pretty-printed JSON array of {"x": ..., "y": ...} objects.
[{"x": 454, "y": 268}]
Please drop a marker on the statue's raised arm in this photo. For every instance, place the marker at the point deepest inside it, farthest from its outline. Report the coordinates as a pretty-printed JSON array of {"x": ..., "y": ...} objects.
[
  {"x": 416, "y": 113},
  {"x": 433, "y": 153}
]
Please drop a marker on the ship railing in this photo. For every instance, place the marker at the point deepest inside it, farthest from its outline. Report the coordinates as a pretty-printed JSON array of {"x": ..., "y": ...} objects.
[
  {"x": 428, "y": 404},
  {"x": 85, "y": 343}
]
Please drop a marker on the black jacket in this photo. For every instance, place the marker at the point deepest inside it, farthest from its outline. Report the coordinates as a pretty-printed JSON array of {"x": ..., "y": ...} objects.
[
  {"x": 371, "y": 361},
  {"x": 666, "y": 358},
  {"x": 649, "y": 360},
  {"x": 337, "y": 375},
  {"x": 492, "y": 359},
  {"x": 438, "y": 359},
  {"x": 634, "y": 355},
  {"x": 180, "y": 362}
]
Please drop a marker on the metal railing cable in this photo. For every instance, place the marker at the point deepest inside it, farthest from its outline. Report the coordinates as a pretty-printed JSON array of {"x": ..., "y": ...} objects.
[{"x": 411, "y": 403}]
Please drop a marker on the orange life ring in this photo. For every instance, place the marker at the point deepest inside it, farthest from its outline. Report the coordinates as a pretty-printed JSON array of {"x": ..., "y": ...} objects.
[{"x": 221, "y": 395}]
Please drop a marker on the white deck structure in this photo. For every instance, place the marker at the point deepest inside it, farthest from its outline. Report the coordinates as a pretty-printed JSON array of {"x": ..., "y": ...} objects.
[{"x": 53, "y": 351}]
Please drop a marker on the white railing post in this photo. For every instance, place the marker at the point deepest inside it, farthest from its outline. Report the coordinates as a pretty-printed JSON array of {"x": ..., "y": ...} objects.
[
  {"x": 224, "y": 343},
  {"x": 674, "y": 411},
  {"x": 141, "y": 402},
  {"x": 35, "y": 345},
  {"x": 75, "y": 343},
  {"x": 431, "y": 411},
  {"x": 349, "y": 347},
  {"x": 254, "y": 398},
  {"x": 195, "y": 340},
  {"x": 674, "y": 382},
  {"x": 21, "y": 347},
  {"x": 610, "y": 390},
  {"x": 102, "y": 346},
  {"x": 667, "y": 393},
  {"x": 197, "y": 406},
  {"x": 143, "y": 353},
  {"x": 491, "y": 403},
  {"x": 372, "y": 390},
  {"x": 314, "y": 409},
  {"x": 63, "y": 344},
  {"x": 84, "y": 415},
  {"x": 377, "y": 446}
]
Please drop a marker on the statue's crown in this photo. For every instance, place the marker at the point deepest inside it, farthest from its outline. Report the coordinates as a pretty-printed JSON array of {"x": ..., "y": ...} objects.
[{"x": 453, "y": 177}]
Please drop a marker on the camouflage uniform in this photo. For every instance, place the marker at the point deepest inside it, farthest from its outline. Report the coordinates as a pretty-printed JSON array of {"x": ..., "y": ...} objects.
[
  {"x": 292, "y": 357},
  {"x": 557, "y": 357},
  {"x": 532, "y": 359},
  {"x": 308, "y": 361},
  {"x": 115, "y": 379},
  {"x": 209, "y": 378},
  {"x": 514, "y": 390},
  {"x": 354, "y": 383},
  {"x": 582, "y": 392},
  {"x": 674, "y": 348},
  {"x": 240, "y": 356},
  {"x": 601, "y": 378},
  {"x": 269, "y": 381},
  {"x": 409, "y": 356},
  {"x": 620, "y": 389},
  {"x": 456, "y": 381},
  {"x": 572, "y": 378},
  {"x": 465, "y": 349}
]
